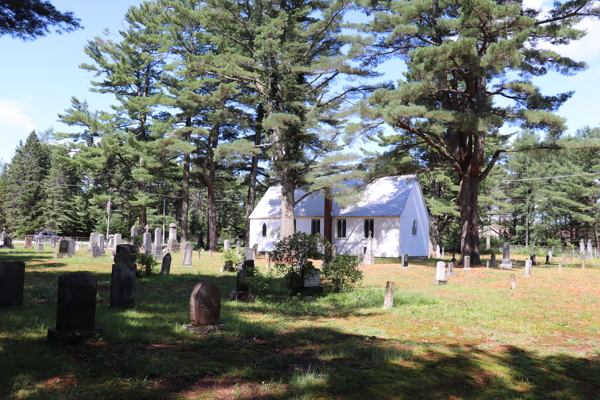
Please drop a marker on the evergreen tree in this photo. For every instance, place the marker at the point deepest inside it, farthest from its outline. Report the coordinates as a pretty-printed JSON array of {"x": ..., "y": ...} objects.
[
  {"x": 459, "y": 56},
  {"x": 29, "y": 19},
  {"x": 24, "y": 205},
  {"x": 61, "y": 191}
]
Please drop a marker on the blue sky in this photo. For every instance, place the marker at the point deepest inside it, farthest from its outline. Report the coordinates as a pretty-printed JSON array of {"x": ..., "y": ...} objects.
[{"x": 39, "y": 77}]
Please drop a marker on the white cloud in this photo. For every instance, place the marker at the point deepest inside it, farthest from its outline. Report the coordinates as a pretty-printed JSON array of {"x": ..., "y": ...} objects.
[
  {"x": 585, "y": 49},
  {"x": 13, "y": 115}
]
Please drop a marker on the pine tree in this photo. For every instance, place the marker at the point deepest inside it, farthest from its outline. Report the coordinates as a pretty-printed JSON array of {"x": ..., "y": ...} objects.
[
  {"x": 61, "y": 190},
  {"x": 459, "y": 56},
  {"x": 29, "y": 19},
  {"x": 25, "y": 201}
]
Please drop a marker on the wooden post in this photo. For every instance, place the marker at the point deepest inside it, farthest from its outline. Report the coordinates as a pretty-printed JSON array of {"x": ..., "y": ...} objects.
[
  {"x": 388, "y": 301},
  {"x": 513, "y": 281}
]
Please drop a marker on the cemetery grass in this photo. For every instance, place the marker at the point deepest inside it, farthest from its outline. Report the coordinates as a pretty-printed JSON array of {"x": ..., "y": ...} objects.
[{"x": 474, "y": 338}]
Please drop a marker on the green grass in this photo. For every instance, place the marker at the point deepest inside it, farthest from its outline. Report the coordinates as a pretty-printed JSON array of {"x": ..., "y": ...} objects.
[{"x": 472, "y": 339}]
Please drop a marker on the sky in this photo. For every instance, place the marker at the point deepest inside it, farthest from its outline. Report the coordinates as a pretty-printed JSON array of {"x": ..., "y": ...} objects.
[{"x": 39, "y": 77}]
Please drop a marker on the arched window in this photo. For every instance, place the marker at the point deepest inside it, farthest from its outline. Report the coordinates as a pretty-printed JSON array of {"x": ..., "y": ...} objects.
[
  {"x": 414, "y": 228},
  {"x": 264, "y": 231}
]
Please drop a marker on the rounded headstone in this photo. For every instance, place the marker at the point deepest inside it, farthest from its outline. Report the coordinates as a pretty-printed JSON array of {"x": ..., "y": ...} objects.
[{"x": 205, "y": 304}]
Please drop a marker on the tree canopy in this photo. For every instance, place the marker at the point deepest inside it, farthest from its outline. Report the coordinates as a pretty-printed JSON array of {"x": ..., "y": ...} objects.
[{"x": 29, "y": 19}]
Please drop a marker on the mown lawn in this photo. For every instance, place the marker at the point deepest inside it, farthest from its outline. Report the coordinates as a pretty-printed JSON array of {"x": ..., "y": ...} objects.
[{"x": 474, "y": 338}]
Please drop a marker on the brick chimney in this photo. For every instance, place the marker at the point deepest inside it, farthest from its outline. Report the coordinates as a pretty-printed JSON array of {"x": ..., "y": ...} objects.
[{"x": 327, "y": 221}]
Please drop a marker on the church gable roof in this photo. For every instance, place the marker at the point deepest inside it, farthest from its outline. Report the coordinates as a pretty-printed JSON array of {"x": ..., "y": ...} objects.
[{"x": 383, "y": 197}]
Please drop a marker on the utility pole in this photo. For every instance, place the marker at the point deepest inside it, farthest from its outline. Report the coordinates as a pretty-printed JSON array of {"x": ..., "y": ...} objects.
[{"x": 164, "y": 216}]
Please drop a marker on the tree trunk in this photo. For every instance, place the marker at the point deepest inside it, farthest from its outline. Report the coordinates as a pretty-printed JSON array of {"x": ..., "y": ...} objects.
[
  {"x": 469, "y": 232},
  {"x": 212, "y": 217},
  {"x": 209, "y": 173},
  {"x": 186, "y": 189},
  {"x": 253, "y": 172},
  {"x": 287, "y": 204}
]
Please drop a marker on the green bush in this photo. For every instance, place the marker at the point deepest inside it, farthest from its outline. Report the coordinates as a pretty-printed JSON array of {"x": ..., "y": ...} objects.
[
  {"x": 259, "y": 283},
  {"x": 342, "y": 270},
  {"x": 146, "y": 261},
  {"x": 231, "y": 255}
]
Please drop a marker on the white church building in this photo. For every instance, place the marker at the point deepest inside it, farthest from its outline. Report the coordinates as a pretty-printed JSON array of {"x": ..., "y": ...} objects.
[{"x": 392, "y": 209}]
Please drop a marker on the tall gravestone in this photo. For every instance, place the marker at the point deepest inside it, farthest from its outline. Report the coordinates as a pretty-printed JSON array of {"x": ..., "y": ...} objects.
[
  {"x": 71, "y": 247},
  {"x": 76, "y": 308},
  {"x": 442, "y": 252},
  {"x": 147, "y": 242},
  {"x": 111, "y": 242},
  {"x": 589, "y": 248},
  {"x": 101, "y": 244},
  {"x": 255, "y": 251},
  {"x": 528, "y": 264},
  {"x": 28, "y": 242},
  {"x": 388, "y": 300},
  {"x": 187, "y": 254},
  {"x": 118, "y": 239},
  {"x": 581, "y": 247},
  {"x": 157, "y": 248},
  {"x": 226, "y": 244},
  {"x": 248, "y": 253},
  {"x": 451, "y": 269},
  {"x": 440, "y": 273},
  {"x": 165, "y": 267},
  {"x": 12, "y": 282},
  {"x": 369, "y": 258},
  {"x": 205, "y": 304},
  {"x": 506, "y": 262},
  {"x": 133, "y": 232},
  {"x": 467, "y": 263},
  {"x": 122, "y": 281},
  {"x": 487, "y": 243},
  {"x": 94, "y": 236},
  {"x": 53, "y": 241},
  {"x": 493, "y": 263},
  {"x": 550, "y": 256},
  {"x": 437, "y": 251},
  {"x": 95, "y": 251}
]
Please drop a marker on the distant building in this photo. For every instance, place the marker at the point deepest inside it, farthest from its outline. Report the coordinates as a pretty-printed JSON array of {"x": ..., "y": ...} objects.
[{"x": 392, "y": 208}]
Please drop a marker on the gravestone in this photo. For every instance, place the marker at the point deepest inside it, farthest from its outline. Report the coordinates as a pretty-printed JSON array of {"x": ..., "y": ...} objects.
[
  {"x": 255, "y": 251},
  {"x": 165, "y": 267},
  {"x": 133, "y": 232},
  {"x": 589, "y": 247},
  {"x": 95, "y": 251},
  {"x": 76, "y": 308},
  {"x": 487, "y": 243},
  {"x": 111, "y": 242},
  {"x": 12, "y": 282},
  {"x": 334, "y": 249},
  {"x": 248, "y": 253},
  {"x": 487, "y": 264},
  {"x": 369, "y": 258},
  {"x": 101, "y": 244},
  {"x": 210, "y": 253},
  {"x": 467, "y": 263},
  {"x": 147, "y": 242},
  {"x": 241, "y": 283},
  {"x": 158, "y": 237},
  {"x": 94, "y": 236},
  {"x": 549, "y": 257},
  {"x": 187, "y": 254},
  {"x": 226, "y": 245},
  {"x": 39, "y": 247},
  {"x": 28, "y": 242},
  {"x": 63, "y": 249},
  {"x": 388, "y": 300},
  {"x": 451, "y": 269},
  {"x": 404, "y": 261},
  {"x": 122, "y": 281},
  {"x": 437, "y": 251},
  {"x": 127, "y": 250},
  {"x": 312, "y": 282},
  {"x": 442, "y": 252},
  {"x": 513, "y": 281},
  {"x": 440, "y": 273},
  {"x": 528, "y": 264},
  {"x": 205, "y": 304},
  {"x": 118, "y": 238},
  {"x": 53, "y": 242},
  {"x": 581, "y": 247},
  {"x": 7, "y": 242},
  {"x": 493, "y": 260},
  {"x": 71, "y": 247},
  {"x": 506, "y": 262},
  {"x": 172, "y": 244}
]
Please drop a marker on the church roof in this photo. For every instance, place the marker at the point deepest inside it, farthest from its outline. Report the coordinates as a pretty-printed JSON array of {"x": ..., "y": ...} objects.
[{"x": 382, "y": 198}]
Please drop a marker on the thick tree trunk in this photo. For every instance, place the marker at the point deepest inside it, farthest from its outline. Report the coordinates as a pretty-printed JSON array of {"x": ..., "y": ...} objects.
[
  {"x": 253, "y": 172},
  {"x": 186, "y": 190},
  {"x": 469, "y": 225},
  {"x": 209, "y": 173},
  {"x": 287, "y": 203}
]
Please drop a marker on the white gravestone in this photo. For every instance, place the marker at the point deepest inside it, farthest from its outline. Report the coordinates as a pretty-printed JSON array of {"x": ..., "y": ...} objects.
[
  {"x": 312, "y": 278},
  {"x": 440, "y": 273}
]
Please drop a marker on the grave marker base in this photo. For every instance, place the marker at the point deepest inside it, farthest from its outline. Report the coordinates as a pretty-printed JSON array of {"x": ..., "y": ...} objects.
[
  {"x": 440, "y": 283},
  {"x": 71, "y": 337},
  {"x": 203, "y": 329},
  {"x": 240, "y": 295}
]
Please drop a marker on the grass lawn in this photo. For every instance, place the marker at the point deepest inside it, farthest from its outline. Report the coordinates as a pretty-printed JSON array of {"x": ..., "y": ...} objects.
[{"x": 474, "y": 338}]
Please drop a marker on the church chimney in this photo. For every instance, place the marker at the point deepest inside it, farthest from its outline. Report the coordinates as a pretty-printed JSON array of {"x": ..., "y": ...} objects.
[{"x": 327, "y": 221}]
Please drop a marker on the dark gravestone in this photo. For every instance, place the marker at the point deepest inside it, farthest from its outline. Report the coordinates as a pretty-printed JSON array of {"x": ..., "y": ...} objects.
[
  {"x": 249, "y": 266},
  {"x": 242, "y": 281},
  {"x": 122, "y": 282},
  {"x": 165, "y": 267},
  {"x": 95, "y": 251},
  {"x": 71, "y": 247},
  {"x": 12, "y": 280},
  {"x": 404, "y": 261},
  {"x": 205, "y": 304},
  {"x": 533, "y": 261},
  {"x": 76, "y": 308},
  {"x": 493, "y": 260},
  {"x": 126, "y": 249},
  {"x": 63, "y": 249}
]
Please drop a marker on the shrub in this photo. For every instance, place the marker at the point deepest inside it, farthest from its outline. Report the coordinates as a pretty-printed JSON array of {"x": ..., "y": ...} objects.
[
  {"x": 146, "y": 261},
  {"x": 342, "y": 270},
  {"x": 231, "y": 255}
]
